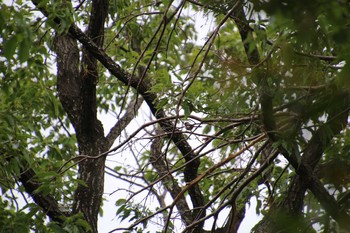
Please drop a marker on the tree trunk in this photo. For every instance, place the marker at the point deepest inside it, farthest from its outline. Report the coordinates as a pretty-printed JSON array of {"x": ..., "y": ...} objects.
[{"x": 77, "y": 93}]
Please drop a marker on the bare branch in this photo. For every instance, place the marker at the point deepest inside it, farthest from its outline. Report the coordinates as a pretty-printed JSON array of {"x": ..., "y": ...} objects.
[
  {"x": 131, "y": 111},
  {"x": 158, "y": 161}
]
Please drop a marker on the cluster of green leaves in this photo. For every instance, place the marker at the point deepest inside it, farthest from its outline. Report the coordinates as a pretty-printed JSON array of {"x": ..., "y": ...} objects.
[
  {"x": 214, "y": 82},
  {"x": 304, "y": 84},
  {"x": 137, "y": 38},
  {"x": 17, "y": 37},
  {"x": 32, "y": 119},
  {"x": 131, "y": 211},
  {"x": 21, "y": 220}
]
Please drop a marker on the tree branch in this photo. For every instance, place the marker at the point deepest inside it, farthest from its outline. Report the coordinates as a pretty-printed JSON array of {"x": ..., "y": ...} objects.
[
  {"x": 90, "y": 134},
  {"x": 144, "y": 88},
  {"x": 157, "y": 159},
  {"x": 47, "y": 202},
  {"x": 302, "y": 168},
  {"x": 131, "y": 111}
]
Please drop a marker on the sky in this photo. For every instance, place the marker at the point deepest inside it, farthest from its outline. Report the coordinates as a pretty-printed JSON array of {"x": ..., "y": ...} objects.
[
  {"x": 204, "y": 25},
  {"x": 109, "y": 221}
]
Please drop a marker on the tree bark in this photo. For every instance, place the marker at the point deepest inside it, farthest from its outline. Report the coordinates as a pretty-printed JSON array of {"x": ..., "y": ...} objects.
[{"x": 77, "y": 93}]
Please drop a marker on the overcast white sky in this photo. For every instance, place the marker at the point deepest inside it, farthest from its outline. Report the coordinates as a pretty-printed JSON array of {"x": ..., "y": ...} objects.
[
  {"x": 109, "y": 221},
  {"x": 204, "y": 25}
]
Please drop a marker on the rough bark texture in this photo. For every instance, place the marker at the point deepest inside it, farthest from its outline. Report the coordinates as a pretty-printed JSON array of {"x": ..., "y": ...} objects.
[
  {"x": 76, "y": 82},
  {"x": 151, "y": 99},
  {"x": 79, "y": 101},
  {"x": 90, "y": 135},
  {"x": 143, "y": 88},
  {"x": 77, "y": 92}
]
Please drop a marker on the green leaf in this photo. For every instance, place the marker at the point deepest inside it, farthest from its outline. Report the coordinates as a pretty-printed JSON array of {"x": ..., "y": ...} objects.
[
  {"x": 120, "y": 201},
  {"x": 188, "y": 108},
  {"x": 117, "y": 168},
  {"x": 10, "y": 47},
  {"x": 84, "y": 224},
  {"x": 23, "y": 51},
  {"x": 162, "y": 102}
]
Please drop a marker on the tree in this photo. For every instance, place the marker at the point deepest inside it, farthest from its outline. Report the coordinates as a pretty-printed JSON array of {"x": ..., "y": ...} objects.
[{"x": 259, "y": 111}]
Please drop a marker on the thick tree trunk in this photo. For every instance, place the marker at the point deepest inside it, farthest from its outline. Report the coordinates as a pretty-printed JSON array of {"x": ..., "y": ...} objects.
[
  {"x": 90, "y": 135},
  {"x": 77, "y": 92},
  {"x": 77, "y": 95}
]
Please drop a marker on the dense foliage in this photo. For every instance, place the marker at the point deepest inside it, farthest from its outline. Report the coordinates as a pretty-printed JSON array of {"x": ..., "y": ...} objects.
[{"x": 193, "y": 109}]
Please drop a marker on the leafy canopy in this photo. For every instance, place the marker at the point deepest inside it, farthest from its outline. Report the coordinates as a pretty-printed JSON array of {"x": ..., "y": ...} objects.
[{"x": 257, "y": 112}]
